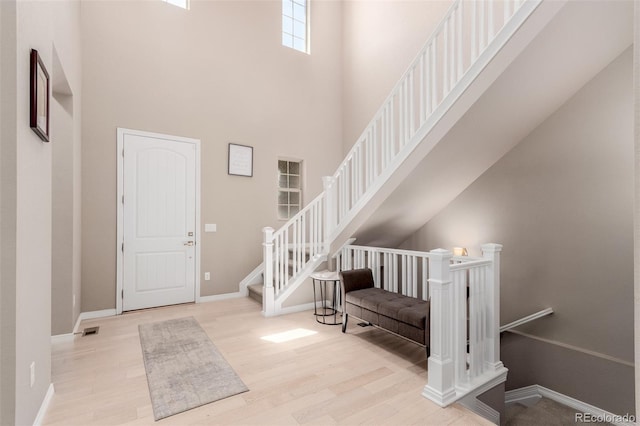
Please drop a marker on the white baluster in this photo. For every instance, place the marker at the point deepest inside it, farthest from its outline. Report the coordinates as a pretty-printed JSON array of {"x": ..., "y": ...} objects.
[
  {"x": 460, "y": 12},
  {"x": 474, "y": 31},
  {"x": 481, "y": 27},
  {"x": 414, "y": 276},
  {"x": 490, "y": 21},
  {"x": 460, "y": 326},
  {"x": 425, "y": 277},
  {"x": 268, "y": 299},
  {"x": 440, "y": 386},
  {"x": 329, "y": 209},
  {"x": 411, "y": 102},
  {"x": 445, "y": 60},
  {"x": 423, "y": 89},
  {"x": 403, "y": 281},
  {"x": 492, "y": 252}
]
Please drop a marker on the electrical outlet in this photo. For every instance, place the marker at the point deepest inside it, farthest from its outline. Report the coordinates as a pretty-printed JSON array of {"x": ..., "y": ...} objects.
[
  {"x": 207, "y": 276},
  {"x": 33, "y": 373}
]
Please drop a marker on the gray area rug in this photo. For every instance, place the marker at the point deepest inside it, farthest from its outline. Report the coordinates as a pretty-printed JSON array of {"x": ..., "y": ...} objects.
[{"x": 184, "y": 368}]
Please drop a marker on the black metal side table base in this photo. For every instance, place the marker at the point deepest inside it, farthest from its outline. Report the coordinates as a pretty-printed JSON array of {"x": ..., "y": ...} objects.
[{"x": 324, "y": 313}]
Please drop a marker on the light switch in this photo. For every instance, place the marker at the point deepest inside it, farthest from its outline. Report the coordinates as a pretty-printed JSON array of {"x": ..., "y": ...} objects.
[{"x": 210, "y": 227}]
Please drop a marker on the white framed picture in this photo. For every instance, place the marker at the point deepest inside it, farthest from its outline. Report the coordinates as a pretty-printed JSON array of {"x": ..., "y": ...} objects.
[{"x": 240, "y": 160}]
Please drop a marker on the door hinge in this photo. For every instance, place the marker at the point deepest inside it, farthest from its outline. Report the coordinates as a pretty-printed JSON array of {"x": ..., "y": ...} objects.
[
  {"x": 123, "y": 247},
  {"x": 122, "y": 294},
  {"x": 123, "y": 199},
  {"x": 123, "y": 153}
]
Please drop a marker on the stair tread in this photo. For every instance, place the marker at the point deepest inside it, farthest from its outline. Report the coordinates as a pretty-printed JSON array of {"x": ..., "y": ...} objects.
[{"x": 545, "y": 411}]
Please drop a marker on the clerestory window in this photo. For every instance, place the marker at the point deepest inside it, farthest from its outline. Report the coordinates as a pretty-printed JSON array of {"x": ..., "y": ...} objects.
[
  {"x": 295, "y": 24},
  {"x": 180, "y": 3}
]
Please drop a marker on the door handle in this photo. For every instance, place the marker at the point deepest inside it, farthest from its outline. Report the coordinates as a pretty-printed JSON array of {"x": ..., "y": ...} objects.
[{"x": 189, "y": 243}]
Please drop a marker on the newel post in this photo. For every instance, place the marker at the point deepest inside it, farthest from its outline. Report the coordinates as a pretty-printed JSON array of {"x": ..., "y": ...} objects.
[
  {"x": 492, "y": 252},
  {"x": 268, "y": 296},
  {"x": 329, "y": 209},
  {"x": 440, "y": 386}
]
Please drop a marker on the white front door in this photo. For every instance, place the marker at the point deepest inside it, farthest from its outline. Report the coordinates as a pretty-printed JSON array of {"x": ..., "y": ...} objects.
[{"x": 158, "y": 221}]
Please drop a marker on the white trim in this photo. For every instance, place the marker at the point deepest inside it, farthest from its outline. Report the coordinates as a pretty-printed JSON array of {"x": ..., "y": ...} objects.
[
  {"x": 120, "y": 208},
  {"x": 472, "y": 403},
  {"x": 480, "y": 385},
  {"x": 524, "y": 320},
  {"x": 518, "y": 395},
  {"x": 216, "y": 297},
  {"x": 254, "y": 277},
  {"x": 76, "y": 327},
  {"x": 95, "y": 314},
  {"x": 574, "y": 348},
  {"x": 527, "y": 396},
  {"x": 59, "y": 338},
  {"x": 44, "y": 406},
  {"x": 296, "y": 308}
]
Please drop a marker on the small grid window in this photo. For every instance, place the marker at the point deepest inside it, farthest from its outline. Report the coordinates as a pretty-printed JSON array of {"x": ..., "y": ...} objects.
[
  {"x": 289, "y": 188},
  {"x": 295, "y": 24}
]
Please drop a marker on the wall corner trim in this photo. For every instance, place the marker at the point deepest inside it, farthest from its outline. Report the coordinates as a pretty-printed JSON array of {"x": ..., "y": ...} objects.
[
  {"x": 44, "y": 406},
  {"x": 537, "y": 392}
]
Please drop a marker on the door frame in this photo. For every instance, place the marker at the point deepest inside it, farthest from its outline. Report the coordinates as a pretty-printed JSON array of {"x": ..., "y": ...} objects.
[{"x": 120, "y": 208}]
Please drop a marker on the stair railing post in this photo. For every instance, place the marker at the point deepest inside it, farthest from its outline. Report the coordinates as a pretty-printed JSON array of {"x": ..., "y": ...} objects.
[
  {"x": 492, "y": 252},
  {"x": 268, "y": 295},
  {"x": 329, "y": 209},
  {"x": 440, "y": 386}
]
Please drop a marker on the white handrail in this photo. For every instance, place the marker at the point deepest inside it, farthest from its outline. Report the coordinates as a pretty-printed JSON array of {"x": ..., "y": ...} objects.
[{"x": 524, "y": 320}]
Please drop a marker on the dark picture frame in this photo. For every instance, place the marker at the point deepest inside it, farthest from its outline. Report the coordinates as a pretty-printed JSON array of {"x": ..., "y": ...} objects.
[
  {"x": 39, "y": 97},
  {"x": 240, "y": 160}
]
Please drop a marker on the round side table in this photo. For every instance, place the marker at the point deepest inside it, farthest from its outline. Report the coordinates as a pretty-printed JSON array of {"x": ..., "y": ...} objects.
[{"x": 327, "y": 310}]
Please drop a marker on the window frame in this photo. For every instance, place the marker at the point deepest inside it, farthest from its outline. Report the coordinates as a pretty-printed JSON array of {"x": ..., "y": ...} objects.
[
  {"x": 291, "y": 34},
  {"x": 299, "y": 190}
]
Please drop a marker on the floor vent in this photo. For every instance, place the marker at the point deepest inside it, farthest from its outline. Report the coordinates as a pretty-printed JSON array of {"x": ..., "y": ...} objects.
[{"x": 90, "y": 331}]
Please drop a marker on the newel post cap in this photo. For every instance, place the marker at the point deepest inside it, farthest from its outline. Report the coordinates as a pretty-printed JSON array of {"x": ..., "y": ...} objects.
[
  {"x": 441, "y": 253},
  {"x": 491, "y": 248}
]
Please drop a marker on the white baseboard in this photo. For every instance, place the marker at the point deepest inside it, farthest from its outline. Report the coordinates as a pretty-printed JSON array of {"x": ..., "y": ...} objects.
[
  {"x": 527, "y": 394},
  {"x": 59, "y": 338},
  {"x": 296, "y": 308},
  {"x": 93, "y": 315},
  {"x": 216, "y": 297},
  {"x": 44, "y": 406},
  {"x": 480, "y": 408}
]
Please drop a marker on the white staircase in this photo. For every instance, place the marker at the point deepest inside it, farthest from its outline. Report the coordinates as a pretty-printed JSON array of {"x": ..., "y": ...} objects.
[{"x": 467, "y": 39}]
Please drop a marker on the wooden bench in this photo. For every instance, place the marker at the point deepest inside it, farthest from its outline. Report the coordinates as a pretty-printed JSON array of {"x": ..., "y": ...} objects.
[{"x": 405, "y": 316}]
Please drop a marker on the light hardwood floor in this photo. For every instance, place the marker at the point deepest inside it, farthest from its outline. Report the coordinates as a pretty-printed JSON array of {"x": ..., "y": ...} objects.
[{"x": 366, "y": 376}]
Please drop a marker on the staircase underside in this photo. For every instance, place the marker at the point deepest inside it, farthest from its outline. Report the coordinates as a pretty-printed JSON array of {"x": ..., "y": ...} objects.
[{"x": 558, "y": 50}]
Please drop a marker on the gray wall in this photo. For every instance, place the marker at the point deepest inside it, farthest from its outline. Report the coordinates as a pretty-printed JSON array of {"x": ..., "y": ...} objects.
[
  {"x": 217, "y": 73},
  {"x": 636, "y": 215},
  {"x": 26, "y": 202},
  {"x": 602, "y": 382},
  {"x": 8, "y": 189},
  {"x": 561, "y": 202}
]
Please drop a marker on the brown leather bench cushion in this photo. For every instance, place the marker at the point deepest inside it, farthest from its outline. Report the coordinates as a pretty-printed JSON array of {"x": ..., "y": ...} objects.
[{"x": 407, "y": 310}]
